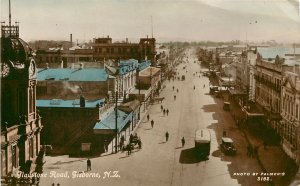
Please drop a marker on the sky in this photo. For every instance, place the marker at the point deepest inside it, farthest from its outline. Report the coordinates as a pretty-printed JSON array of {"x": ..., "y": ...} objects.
[{"x": 172, "y": 20}]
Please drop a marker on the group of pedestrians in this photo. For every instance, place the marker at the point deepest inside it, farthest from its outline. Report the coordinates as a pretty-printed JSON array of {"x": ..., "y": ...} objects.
[
  {"x": 177, "y": 90},
  {"x": 162, "y": 109},
  {"x": 166, "y": 111},
  {"x": 151, "y": 122},
  {"x": 167, "y": 135}
]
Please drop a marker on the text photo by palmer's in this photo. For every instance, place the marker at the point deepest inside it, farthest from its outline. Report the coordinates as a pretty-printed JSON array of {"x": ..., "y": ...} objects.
[{"x": 150, "y": 92}]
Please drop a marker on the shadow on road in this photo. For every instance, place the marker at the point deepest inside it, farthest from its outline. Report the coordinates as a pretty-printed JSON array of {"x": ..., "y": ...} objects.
[
  {"x": 217, "y": 153},
  {"x": 124, "y": 157},
  {"x": 188, "y": 156},
  {"x": 162, "y": 142}
]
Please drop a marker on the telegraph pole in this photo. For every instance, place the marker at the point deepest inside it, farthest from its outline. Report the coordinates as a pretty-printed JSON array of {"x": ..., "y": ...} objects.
[
  {"x": 116, "y": 115},
  {"x": 139, "y": 86}
]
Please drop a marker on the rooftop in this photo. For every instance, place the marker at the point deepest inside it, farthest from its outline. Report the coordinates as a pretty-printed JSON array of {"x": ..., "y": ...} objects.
[
  {"x": 109, "y": 122},
  {"x": 127, "y": 66},
  {"x": 68, "y": 103},
  {"x": 66, "y": 74},
  {"x": 149, "y": 71},
  {"x": 144, "y": 65}
]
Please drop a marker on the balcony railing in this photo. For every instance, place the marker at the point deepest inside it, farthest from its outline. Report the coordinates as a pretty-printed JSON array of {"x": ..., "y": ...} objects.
[{"x": 268, "y": 83}]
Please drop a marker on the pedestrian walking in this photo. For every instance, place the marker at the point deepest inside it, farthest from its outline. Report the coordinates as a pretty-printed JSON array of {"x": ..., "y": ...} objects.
[
  {"x": 182, "y": 141},
  {"x": 177, "y": 90},
  {"x": 161, "y": 108},
  {"x": 130, "y": 138},
  {"x": 128, "y": 148},
  {"x": 164, "y": 112},
  {"x": 174, "y": 97},
  {"x": 167, "y": 136},
  {"x": 152, "y": 123},
  {"x": 167, "y": 112},
  {"x": 148, "y": 117},
  {"x": 194, "y": 87},
  {"x": 173, "y": 88},
  {"x": 203, "y": 85},
  {"x": 89, "y": 164},
  {"x": 106, "y": 147}
]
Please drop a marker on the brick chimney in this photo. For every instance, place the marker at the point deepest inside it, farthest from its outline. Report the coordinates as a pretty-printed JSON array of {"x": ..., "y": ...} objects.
[{"x": 81, "y": 66}]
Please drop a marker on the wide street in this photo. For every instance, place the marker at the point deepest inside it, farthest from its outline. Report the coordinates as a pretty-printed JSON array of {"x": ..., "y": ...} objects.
[{"x": 161, "y": 163}]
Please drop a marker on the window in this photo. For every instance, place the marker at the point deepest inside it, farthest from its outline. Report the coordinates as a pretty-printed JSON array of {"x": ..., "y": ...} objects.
[
  {"x": 3, "y": 162},
  {"x": 14, "y": 155},
  {"x": 31, "y": 148},
  {"x": 297, "y": 111}
]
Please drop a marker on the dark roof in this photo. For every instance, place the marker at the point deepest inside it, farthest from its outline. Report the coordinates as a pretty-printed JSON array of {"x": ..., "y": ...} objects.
[{"x": 130, "y": 106}]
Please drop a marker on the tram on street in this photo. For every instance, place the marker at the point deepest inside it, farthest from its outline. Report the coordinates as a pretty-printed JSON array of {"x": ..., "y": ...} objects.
[{"x": 202, "y": 143}]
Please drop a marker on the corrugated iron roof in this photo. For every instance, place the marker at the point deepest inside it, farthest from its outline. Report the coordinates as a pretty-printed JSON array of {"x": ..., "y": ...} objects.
[
  {"x": 110, "y": 121},
  {"x": 65, "y": 74},
  {"x": 68, "y": 103}
]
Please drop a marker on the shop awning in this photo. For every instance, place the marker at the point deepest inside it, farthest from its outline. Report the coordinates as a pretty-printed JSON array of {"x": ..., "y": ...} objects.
[{"x": 108, "y": 124}]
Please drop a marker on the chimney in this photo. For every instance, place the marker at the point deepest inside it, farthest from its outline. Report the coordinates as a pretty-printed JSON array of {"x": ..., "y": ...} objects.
[
  {"x": 82, "y": 101},
  {"x": 71, "y": 40},
  {"x": 126, "y": 40},
  {"x": 107, "y": 36}
]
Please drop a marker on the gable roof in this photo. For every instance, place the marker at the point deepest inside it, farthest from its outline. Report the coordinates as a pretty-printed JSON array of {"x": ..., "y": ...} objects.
[{"x": 288, "y": 80}]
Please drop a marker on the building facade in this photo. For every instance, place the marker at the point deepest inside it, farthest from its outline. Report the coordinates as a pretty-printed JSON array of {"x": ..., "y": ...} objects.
[
  {"x": 269, "y": 76},
  {"x": 102, "y": 49},
  {"x": 289, "y": 128},
  {"x": 71, "y": 122},
  {"x": 20, "y": 121}
]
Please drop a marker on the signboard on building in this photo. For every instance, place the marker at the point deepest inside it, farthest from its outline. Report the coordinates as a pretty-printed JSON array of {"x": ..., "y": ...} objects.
[{"x": 86, "y": 147}]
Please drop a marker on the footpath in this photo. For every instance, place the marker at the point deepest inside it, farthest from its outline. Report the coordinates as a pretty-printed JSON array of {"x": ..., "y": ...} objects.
[{"x": 271, "y": 158}]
